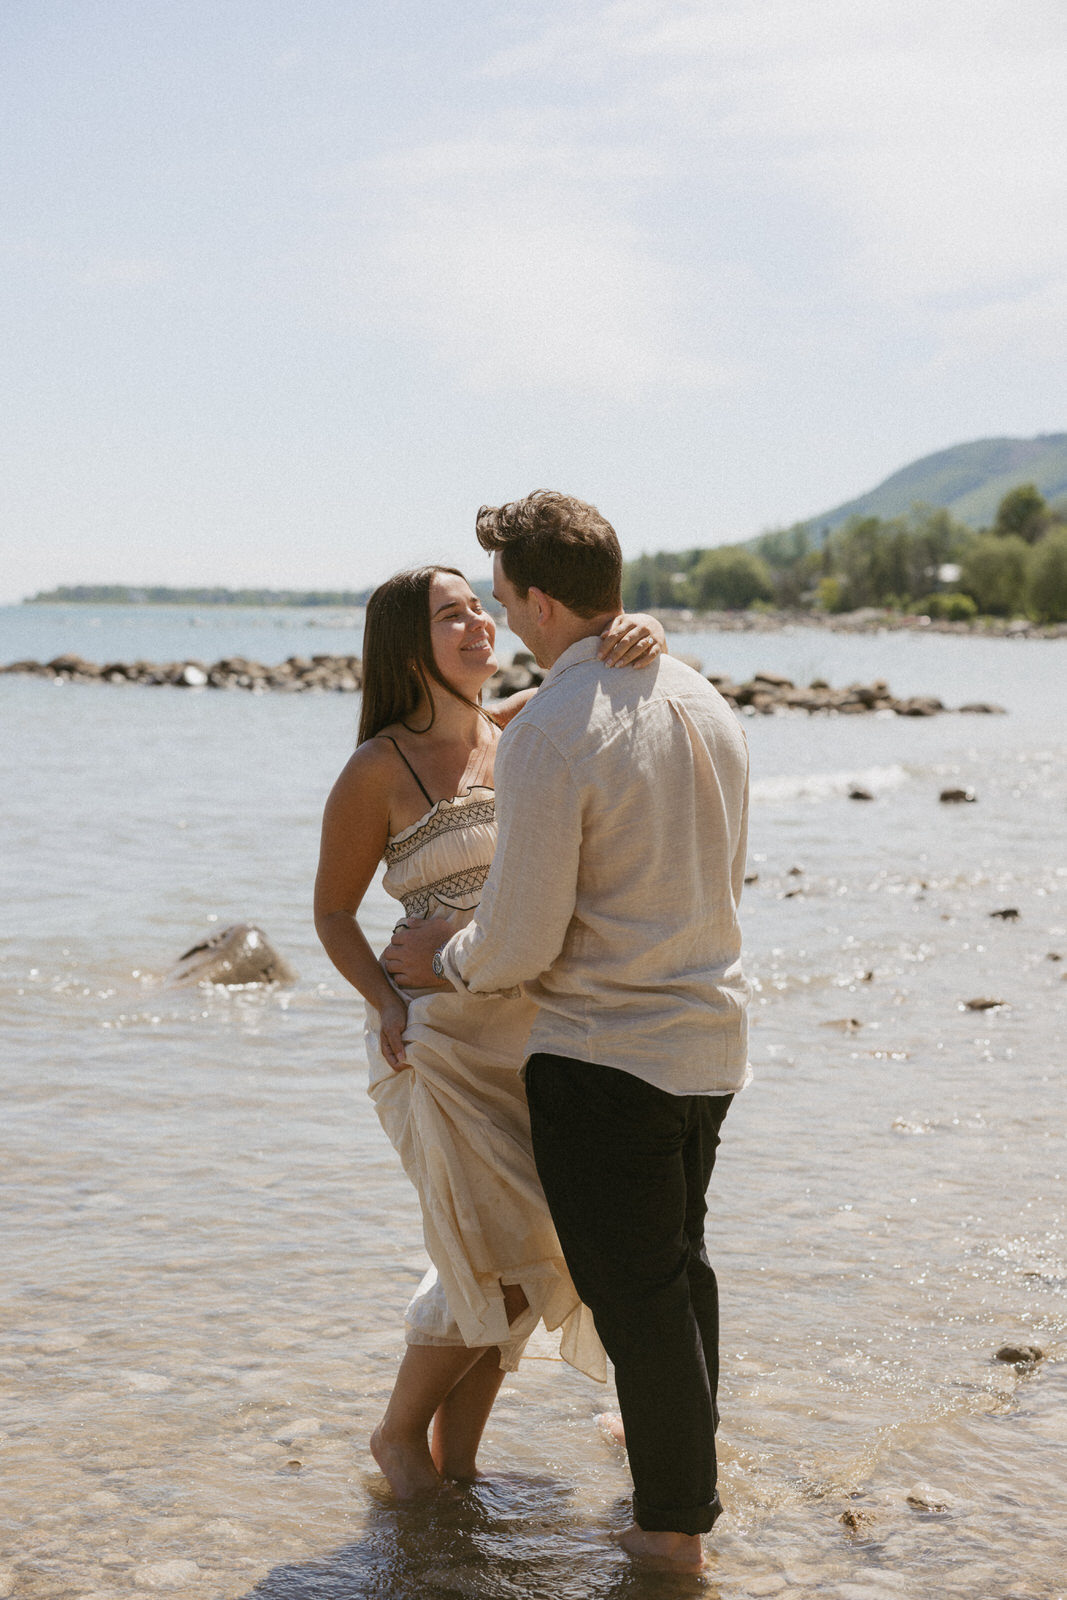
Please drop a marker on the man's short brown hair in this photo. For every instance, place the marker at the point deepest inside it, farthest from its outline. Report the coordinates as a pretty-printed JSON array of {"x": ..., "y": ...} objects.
[{"x": 556, "y": 543}]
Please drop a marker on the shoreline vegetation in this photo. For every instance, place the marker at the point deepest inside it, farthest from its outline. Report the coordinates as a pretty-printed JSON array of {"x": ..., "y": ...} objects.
[
  {"x": 925, "y": 564},
  {"x": 765, "y": 694},
  {"x": 921, "y": 569}
]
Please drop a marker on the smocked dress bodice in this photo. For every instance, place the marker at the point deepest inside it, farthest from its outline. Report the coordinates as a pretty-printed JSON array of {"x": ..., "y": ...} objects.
[{"x": 438, "y": 866}]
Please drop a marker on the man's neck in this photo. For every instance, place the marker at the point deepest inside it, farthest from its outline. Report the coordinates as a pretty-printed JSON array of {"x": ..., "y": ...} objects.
[{"x": 569, "y": 629}]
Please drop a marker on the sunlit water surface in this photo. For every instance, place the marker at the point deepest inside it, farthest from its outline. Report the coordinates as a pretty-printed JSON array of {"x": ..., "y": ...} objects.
[{"x": 208, "y": 1241}]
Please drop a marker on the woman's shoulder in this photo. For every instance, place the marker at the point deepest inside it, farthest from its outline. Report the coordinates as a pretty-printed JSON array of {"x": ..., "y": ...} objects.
[{"x": 370, "y": 770}]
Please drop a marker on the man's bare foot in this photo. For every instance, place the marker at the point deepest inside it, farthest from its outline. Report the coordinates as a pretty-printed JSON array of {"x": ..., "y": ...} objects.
[
  {"x": 409, "y": 1469},
  {"x": 667, "y": 1552},
  {"x": 610, "y": 1425}
]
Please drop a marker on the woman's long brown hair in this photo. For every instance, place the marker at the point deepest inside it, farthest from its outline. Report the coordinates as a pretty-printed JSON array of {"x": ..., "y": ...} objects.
[{"x": 398, "y": 663}]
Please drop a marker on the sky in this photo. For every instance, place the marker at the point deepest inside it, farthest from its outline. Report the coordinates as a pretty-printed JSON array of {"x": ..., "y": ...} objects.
[{"x": 289, "y": 289}]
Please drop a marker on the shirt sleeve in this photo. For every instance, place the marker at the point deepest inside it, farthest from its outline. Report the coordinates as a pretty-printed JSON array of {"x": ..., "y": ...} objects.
[{"x": 529, "y": 896}]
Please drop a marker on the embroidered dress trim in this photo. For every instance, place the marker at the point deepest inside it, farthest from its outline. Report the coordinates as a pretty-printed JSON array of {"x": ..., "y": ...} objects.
[
  {"x": 445, "y": 817},
  {"x": 445, "y": 891}
]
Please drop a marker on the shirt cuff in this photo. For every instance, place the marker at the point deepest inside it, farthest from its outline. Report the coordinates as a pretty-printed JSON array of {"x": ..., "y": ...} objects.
[{"x": 450, "y": 954}]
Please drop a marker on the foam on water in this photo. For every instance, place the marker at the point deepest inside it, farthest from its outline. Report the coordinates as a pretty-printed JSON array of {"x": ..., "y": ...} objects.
[{"x": 824, "y": 785}]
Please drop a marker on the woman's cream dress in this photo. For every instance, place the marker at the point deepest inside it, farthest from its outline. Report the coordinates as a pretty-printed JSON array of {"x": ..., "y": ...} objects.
[{"x": 457, "y": 1118}]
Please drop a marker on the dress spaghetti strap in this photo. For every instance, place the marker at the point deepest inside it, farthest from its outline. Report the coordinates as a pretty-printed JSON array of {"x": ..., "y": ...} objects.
[{"x": 407, "y": 764}]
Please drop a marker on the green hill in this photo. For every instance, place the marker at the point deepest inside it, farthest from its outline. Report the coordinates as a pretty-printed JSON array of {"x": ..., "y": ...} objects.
[{"x": 969, "y": 479}]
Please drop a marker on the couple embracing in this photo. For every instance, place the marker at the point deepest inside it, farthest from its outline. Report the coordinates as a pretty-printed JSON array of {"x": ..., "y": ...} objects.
[{"x": 558, "y": 1026}]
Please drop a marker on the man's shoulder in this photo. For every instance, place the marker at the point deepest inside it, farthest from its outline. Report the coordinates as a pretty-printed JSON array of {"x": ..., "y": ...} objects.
[
  {"x": 577, "y": 709},
  {"x": 678, "y": 676}
]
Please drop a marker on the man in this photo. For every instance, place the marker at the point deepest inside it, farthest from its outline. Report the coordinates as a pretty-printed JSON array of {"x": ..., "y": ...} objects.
[{"x": 622, "y": 802}]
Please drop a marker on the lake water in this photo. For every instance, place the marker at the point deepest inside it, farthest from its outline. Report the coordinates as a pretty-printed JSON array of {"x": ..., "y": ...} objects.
[{"x": 207, "y": 1241}]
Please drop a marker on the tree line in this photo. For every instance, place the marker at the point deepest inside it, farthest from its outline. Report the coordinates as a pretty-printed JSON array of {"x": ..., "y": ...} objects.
[{"x": 927, "y": 563}]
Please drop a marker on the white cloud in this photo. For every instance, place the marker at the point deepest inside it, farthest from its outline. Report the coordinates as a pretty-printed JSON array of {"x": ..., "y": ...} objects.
[
  {"x": 519, "y": 295},
  {"x": 518, "y": 260},
  {"x": 934, "y": 135},
  {"x": 903, "y": 159}
]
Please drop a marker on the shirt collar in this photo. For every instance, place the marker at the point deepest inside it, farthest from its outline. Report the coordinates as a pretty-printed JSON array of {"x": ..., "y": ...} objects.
[{"x": 581, "y": 650}]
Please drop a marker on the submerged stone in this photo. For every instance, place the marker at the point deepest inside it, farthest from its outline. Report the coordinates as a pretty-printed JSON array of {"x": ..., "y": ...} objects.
[
  {"x": 234, "y": 957},
  {"x": 1020, "y": 1355}
]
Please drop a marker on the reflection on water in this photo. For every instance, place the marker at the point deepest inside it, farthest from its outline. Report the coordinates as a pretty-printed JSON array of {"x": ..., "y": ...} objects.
[{"x": 208, "y": 1243}]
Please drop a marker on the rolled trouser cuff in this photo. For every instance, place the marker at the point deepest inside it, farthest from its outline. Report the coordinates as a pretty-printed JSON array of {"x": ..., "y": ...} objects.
[{"x": 678, "y": 1519}]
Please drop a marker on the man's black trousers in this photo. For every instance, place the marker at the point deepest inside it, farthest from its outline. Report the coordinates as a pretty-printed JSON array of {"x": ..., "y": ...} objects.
[{"x": 625, "y": 1168}]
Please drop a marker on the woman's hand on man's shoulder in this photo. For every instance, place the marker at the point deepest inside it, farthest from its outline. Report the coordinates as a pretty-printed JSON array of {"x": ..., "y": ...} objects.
[{"x": 632, "y": 640}]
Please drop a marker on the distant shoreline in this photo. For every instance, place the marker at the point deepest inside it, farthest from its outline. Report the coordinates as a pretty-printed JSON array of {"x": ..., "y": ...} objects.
[
  {"x": 869, "y": 620},
  {"x": 131, "y": 595}
]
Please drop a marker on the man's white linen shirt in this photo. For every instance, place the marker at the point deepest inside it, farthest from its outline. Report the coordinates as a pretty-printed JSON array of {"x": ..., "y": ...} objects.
[{"x": 622, "y": 804}]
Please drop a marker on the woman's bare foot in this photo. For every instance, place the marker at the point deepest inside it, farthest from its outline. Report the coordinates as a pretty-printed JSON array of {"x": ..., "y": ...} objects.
[
  {"x": 407, "y": 1465},
  {"x": 667, "y": 1552},
  {"x": 610, "y": 1425}
]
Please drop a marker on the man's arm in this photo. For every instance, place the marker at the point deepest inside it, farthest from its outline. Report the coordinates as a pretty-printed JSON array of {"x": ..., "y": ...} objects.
[
  {"x": 526, "y": 909},
  {"x": 528, "y": 901}
]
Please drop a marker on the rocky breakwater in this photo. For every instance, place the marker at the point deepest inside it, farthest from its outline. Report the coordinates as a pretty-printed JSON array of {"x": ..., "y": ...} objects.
[
  {"x": 769, "y": 692},
  {"x": 295, "y": 675},
  {"x": 765, "y": 694}
]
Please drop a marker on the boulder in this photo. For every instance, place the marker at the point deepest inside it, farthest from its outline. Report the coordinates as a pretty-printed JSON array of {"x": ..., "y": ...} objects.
[
  {"x": 191, "y": 676},
  {"x": 920, "y": 705},
  {"x": 70, "y": 663},
  {"x": 234, "y": 957},
  {"x": 921, "y": 1497},
  {"x": 1020, "y": 1355}
]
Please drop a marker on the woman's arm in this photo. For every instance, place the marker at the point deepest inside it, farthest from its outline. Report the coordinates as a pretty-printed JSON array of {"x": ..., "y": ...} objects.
[
  {"x": 355, "y": 830},
  {"x": 504, "y": 711}
]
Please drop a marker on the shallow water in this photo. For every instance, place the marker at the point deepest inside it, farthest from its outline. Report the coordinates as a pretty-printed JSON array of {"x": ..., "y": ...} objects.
[{"x": 208, "y": 1241}]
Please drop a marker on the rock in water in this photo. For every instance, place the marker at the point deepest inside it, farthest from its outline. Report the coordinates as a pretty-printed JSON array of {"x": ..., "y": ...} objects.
[
  {"x": 1020, "y": 1355},
  {"x": 922, "y": 1498},
  {"x": 234, "y": 956}
]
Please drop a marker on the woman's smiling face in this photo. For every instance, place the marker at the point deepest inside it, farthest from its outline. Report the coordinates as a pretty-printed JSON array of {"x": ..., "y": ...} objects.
[{"x": 461, "y": 632}]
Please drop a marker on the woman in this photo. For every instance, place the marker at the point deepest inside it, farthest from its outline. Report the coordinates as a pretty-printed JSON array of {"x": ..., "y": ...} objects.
[{"x": 418, "y": 792}]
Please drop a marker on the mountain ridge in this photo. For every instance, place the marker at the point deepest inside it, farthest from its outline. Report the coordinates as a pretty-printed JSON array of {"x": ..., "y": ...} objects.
[{"x": 969, "y": 480}]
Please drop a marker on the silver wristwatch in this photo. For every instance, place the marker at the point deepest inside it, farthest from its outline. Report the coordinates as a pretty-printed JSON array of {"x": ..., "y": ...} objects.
[{"x": 438, "y": 965}]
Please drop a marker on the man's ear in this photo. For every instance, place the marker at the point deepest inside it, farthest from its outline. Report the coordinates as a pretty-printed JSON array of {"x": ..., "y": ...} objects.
[{"x": 544, "y": 603}]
